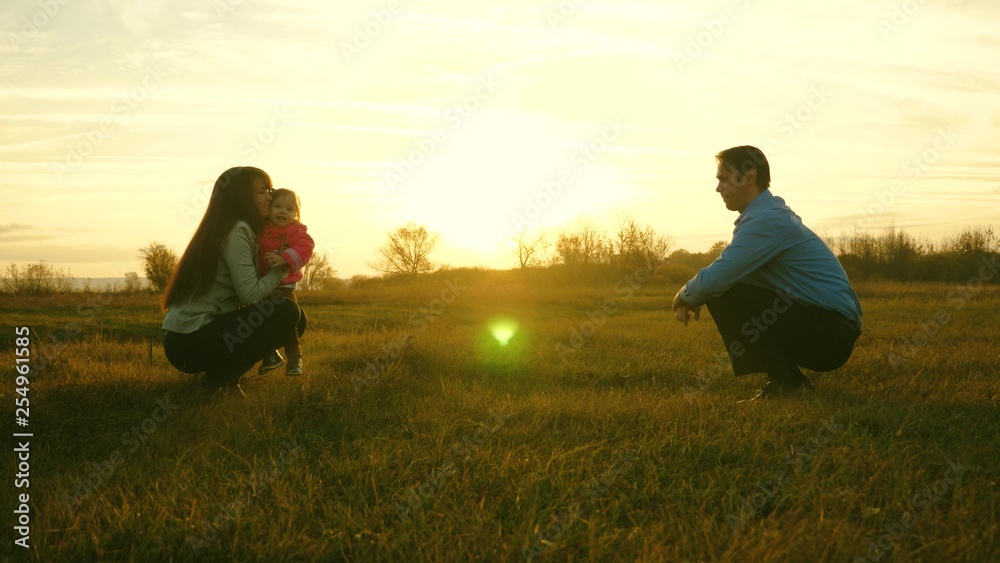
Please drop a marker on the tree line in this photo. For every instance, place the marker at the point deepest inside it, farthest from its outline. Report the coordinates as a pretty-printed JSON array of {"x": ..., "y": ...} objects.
[
  {"x": 893, "y": 254},
  {"x": 583, "y": 252}
]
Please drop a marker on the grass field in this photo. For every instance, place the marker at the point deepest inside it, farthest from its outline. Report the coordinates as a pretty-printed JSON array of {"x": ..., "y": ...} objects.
[{"x": 601, "y": 430}]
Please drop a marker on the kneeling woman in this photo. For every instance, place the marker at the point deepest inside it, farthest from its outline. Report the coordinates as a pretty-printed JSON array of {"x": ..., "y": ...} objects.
[{"x": 206, "y": 330}]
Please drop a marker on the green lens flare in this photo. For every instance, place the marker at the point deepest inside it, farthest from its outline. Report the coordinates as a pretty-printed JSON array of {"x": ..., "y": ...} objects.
[{"x": 503, "y": 330}]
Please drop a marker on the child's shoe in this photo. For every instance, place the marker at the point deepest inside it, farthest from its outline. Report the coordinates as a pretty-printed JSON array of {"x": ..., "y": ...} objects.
[
  {"x": 294, "y": 367},
  {"x": 272, "y": 362}
]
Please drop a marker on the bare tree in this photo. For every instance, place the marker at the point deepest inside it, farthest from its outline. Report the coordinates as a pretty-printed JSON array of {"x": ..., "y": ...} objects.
[
  {"x": 318, "y": 274},
  {"x": 585, "y": 246},
  {"x": 568, "y": 249},
  {"x": 893, "y": 253},
  {"x": 592, "y": 244},
  {"x": 530, "y": 248},
  {"x": 638, "y": 246},
  {"x": 406, "y": 251},
  {"x": 974, "y": 240},
  {"x": 158, "y": 264}
]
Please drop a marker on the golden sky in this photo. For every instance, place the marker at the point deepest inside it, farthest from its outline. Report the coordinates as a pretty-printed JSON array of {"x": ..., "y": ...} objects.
[{"x": 480, "y": 118}]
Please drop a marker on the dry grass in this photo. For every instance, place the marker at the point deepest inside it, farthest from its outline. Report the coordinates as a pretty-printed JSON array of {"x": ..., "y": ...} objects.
[{"x": 630, "y": 448}]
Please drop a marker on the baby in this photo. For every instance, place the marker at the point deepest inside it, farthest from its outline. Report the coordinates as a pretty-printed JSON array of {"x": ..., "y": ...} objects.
[{"x": 285, "y": 242}]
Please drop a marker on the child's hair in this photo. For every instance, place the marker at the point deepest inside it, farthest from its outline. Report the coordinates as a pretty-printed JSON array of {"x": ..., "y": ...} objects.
[{"x": 284, "y": 192}]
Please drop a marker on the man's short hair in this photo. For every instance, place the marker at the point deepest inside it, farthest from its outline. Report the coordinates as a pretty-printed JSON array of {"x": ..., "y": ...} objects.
[{"x": 744, "y": 159}]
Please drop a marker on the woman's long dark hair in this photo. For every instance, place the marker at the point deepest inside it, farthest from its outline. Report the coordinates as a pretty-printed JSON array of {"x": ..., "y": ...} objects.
[{"x": 232, "y": 200}]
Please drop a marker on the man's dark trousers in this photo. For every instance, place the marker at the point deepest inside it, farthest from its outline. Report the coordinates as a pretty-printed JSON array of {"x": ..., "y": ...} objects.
[{"x": 767, "y": 331}]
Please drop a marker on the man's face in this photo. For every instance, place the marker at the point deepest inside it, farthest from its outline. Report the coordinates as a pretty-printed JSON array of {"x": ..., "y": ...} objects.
[{"x": 737, "y": 192}]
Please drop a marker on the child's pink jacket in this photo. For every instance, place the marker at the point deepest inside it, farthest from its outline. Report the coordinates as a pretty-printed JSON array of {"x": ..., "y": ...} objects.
[{"x": 294, "y": 244}]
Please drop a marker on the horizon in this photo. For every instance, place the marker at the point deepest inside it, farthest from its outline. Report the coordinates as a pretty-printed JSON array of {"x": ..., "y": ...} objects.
[
  {"x": 931, "y": 247},
  {"x": 474, "y": 121}
]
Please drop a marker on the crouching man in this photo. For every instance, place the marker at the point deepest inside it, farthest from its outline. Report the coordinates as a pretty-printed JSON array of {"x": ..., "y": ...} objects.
[{"x": 777, "y": 293}]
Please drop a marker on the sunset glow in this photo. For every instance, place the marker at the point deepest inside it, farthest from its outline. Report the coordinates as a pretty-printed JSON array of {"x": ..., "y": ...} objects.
[{"x": 477, "y": 120}]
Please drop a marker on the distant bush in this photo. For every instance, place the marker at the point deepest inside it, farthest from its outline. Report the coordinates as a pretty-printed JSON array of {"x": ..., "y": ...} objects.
[
  {"x": 132, "y": 283},
  {"x": 158, "y": 262},
  {"x": 696, "y": 260},
  {"x": 896, "y": 255},
  {"x": 586, "y": 254},
  {"x": 34, "y": 279},
  {"x": 673, "y": 273}
]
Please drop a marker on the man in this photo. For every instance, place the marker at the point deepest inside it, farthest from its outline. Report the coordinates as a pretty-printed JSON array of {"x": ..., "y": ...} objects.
[{"x": 778, "y": 295}]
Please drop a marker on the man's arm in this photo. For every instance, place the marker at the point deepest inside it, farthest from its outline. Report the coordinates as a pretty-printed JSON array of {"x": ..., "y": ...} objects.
[{"x": 756, "y": 241}]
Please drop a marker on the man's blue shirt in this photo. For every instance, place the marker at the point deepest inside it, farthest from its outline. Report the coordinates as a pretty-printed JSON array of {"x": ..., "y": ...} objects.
[{"x": 771, "y": 248}]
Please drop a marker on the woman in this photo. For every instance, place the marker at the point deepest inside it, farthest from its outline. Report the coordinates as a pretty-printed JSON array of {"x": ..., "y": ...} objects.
[{"x": 206, "y": 330}]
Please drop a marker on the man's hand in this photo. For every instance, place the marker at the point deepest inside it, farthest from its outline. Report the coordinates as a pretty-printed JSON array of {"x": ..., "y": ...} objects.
[
  {"x": 683, "y": 311},
  {"x": 276, "y": 261}
]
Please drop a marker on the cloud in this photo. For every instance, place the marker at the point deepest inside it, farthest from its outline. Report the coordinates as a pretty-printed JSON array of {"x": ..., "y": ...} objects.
[
  {"x": 18, "y": 233},
  {"x": 13, "y": 227},
  {"x": 56, "y": 253}
]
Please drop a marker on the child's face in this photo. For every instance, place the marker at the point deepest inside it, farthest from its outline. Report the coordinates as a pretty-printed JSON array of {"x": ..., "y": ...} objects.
[{"x": 282, "y": 211}]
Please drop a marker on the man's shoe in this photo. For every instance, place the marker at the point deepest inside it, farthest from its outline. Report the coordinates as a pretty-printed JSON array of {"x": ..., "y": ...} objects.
[
  {"x": 294, "y": 367},
  {"x": 272, "y": 362}
]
